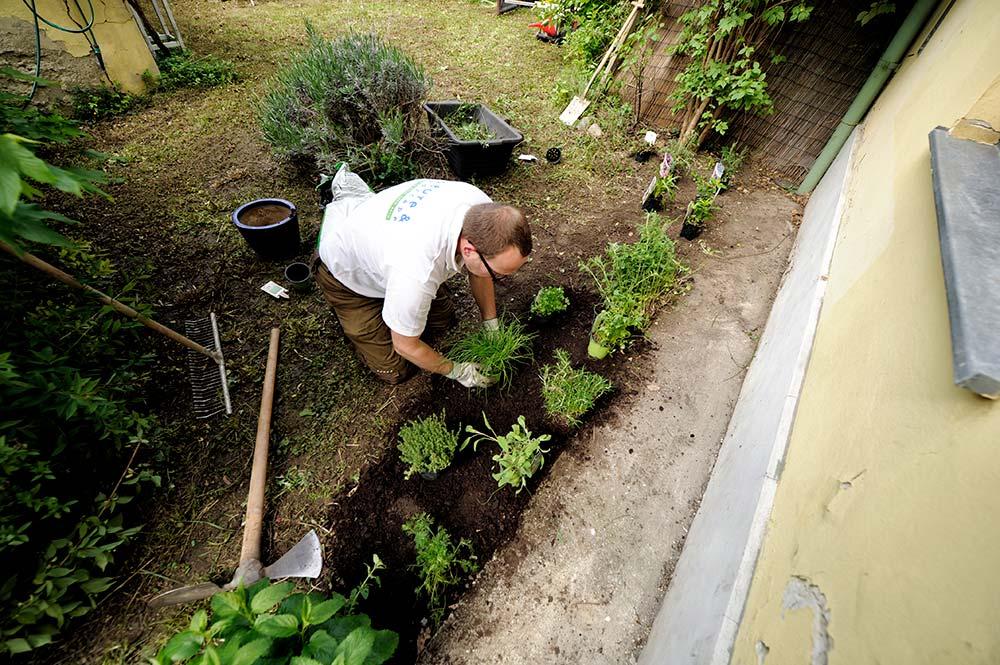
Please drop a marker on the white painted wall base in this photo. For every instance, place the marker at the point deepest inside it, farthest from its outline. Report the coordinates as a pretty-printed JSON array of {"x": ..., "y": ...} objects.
[{"x": 701, "y": 612}]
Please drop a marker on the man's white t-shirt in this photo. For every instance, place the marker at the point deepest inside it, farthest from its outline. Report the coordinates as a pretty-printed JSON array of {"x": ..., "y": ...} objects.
[{"x": 399, "y": 245}]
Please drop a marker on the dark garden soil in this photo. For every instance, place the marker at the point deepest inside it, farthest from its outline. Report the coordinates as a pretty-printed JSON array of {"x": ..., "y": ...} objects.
[{"x": 464, "y": 498}]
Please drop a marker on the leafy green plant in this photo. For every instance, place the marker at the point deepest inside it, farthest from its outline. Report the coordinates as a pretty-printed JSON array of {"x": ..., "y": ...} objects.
[
  {"x": 570, "y": 393},
  {"x": 549, "y": 300},
  {"x": 441, "y": 562},
  {"x": 521, "y": 454},
  {"x": 732, "y": 159},
  {"x": 632, "y": 278},
  {"x": 183, "y": 70},
  {"x": 71, "y": 379},
  {"x": 24, "y": 134},
  {"x": 465, "y": 124},
  {"x": 666, "y": 186},
  {"x": 93, "y": 104},
  {"x": 426, "y": 445},
  {"x": 704, "y": 207},
  {"x": 268, "y": 623},
  {"x": 877, "y": 8},
  {"x": 722, "y": 39},
  {"x": 361, "y": 591},
  {"x": 496, "y": 351},
  {"x": 355, "y": 98}
]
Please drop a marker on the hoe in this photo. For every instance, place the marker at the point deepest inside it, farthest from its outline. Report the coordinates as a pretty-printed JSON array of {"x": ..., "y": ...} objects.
[{"x": 305, "y": 559}]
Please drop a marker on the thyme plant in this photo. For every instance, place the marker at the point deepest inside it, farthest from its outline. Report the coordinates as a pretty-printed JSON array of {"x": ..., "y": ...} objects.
[{"x": 426, "y": 445}]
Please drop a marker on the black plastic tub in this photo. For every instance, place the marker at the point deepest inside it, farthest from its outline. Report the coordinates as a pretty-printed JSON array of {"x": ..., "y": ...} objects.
[
  {"x": 270, "y": 227},
  {"x": 469, "y": 158}
]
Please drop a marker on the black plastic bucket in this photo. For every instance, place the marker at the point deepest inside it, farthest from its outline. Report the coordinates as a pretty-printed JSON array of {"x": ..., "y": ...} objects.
[{"x": 270, "y": 227}]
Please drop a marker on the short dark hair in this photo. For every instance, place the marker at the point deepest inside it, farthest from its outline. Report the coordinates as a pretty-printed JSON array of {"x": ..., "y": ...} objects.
[{"x": 493, "y": 227}]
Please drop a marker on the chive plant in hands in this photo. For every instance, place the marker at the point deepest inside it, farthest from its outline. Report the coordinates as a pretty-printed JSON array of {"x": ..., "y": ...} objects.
[
  {"x": 496, "y": 351},
  {"x": 520, "y": 456},
  {"x": 440, "y": 561},
  {"x": 426, "y": 445},
  {"x": 570, "y": 393},
  {"x": 549, "y": 300}
]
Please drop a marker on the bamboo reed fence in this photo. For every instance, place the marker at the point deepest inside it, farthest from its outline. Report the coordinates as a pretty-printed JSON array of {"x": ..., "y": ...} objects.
[{"x": 827, "y": 61}]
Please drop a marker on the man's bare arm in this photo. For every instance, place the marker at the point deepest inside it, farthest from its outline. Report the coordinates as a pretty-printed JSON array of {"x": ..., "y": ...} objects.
[
  {"x": 420, "y": 354},
  {"x": 484, "y": 295}
]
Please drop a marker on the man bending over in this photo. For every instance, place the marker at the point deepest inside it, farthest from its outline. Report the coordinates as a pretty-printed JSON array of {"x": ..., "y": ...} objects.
[{"x": 384, "y": 259}]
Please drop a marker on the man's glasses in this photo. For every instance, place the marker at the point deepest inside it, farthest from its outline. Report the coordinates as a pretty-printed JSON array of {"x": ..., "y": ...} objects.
[{"x": 495, "y": 277}]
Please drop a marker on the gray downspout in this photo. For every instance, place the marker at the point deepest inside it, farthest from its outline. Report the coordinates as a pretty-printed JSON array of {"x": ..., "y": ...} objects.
[{"x": 887, "y": 64}]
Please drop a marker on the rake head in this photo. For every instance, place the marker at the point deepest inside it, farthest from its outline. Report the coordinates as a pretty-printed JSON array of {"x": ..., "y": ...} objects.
[{"x": 209, "y": 386}]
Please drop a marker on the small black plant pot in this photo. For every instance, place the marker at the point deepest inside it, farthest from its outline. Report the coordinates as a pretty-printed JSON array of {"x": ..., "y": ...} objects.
[
  {"x": 470, "y": 158},
  {"x": 429, "y": 475},
  {"x": 691, "y": 231},
  {"x": 270, "y": 227},
  {"x": 299, "y": 276},
  {"x": 651, "y": 202}
]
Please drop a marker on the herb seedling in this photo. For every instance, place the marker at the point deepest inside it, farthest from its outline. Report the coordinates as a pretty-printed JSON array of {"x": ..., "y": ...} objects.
[
  {"x": 549, "y": 300},
  {"x": 465, "y": 124},
  {"x": 496, "y": 351},
  {"x": 361, "y": 591},
  {"x": 570, "y": 393},
  {"x": 703, "y": 207},
  {"x": 520, "y": 456},
  {"x": 440, "y": 562},
  {"x": 665, "y": 186},
  {"x": 632, "y": 278},
  {"x": 427, "y": 445}
]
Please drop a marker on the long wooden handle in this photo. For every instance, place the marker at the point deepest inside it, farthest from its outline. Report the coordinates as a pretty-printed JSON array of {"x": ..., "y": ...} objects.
[
  {"x": 626, "y": 29},
  {"x": 258, "y": 475},
  {"x": 66, "y": 278},
  {"x": 615, "y": 43}
]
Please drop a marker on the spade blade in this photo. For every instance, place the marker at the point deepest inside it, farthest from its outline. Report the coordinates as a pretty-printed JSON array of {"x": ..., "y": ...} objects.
[
  {"x": 186, "y": 594},
  {"x": 305, "y": 559}
]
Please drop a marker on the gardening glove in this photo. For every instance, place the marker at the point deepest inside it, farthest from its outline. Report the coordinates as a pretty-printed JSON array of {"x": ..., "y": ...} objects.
[
  {"x": 491, "y": 324},
  {"x": 468, "y": 375}
]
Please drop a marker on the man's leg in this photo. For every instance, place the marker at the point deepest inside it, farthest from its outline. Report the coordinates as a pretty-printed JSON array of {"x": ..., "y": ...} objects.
[{"x": 361, "y": 319}]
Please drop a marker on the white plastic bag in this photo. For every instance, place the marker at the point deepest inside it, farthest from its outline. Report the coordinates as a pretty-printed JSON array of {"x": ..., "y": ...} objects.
[{"x": 348, "y": 191}]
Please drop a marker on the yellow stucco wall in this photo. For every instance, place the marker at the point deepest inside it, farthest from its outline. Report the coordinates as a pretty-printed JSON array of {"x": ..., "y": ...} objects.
[
  {"x": 125, "y": 53},
  {"x": 885, "y": 533}
]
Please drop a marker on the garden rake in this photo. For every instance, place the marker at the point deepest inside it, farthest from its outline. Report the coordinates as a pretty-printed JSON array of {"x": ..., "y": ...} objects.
[
  {"x": 304, "y": 559},
  {"x": 209, "y": 387}
]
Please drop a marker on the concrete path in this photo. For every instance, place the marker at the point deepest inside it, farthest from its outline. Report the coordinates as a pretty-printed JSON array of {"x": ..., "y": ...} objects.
[{"x": 583, "y": 579}]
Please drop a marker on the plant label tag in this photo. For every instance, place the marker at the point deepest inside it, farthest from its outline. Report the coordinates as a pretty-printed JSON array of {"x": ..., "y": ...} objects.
[
  {"x": 276, "y": 290},
  {"x": 650, "y": 138},
  {"x": 527, "y": 158},
  {"x": 718, "y": 171}
]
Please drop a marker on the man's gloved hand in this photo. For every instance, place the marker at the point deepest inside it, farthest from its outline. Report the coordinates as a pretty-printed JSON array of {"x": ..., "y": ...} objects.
[
  {"x": 468, "y": 375},
  {"x": 491, "y": 324}
]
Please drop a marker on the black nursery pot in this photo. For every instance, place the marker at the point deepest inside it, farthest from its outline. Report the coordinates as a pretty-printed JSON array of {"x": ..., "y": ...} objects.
[
  {"x": 691, "y": 231},
  {"x": 270, "y": 227}
]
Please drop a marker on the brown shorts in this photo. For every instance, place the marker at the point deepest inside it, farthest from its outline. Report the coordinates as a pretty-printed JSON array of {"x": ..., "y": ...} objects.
[{"x": 361, "y": 319}]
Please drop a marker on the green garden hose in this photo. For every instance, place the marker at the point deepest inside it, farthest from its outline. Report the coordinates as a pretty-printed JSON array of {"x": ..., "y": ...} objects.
[{"x": 84, "y": 30}]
